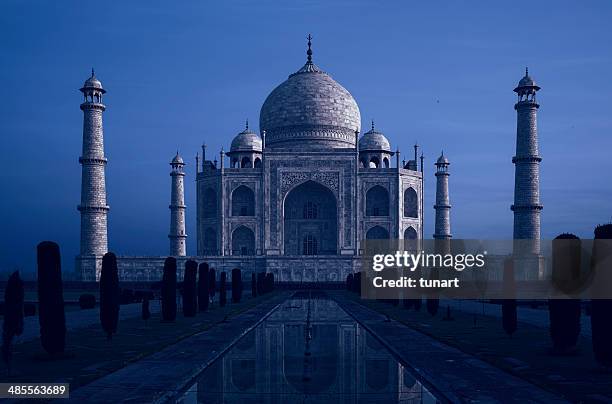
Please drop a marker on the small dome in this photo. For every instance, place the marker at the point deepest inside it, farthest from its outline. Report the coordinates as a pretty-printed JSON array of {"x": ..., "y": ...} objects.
[
  {"x": 526, "y": 81},
  {"x": 442, "y": 160},
  {"x": 177, "y": 159},
  {"x": 374, "y": 141},
  {"x": 246, "y": 141},
  {"x": 93, "y": 82}
]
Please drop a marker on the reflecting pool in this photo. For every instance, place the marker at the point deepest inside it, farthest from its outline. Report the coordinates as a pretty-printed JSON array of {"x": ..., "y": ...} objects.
[{"x": 308, "y": 350}]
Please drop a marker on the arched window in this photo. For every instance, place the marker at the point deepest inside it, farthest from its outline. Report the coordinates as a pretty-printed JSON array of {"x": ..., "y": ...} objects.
[
  {"x": 245, "y": 162},
  {"x": 374, "y": 162},
  {"x": 411, "y": 203},
  {"x": 309, "y": 245},
  {"x": 209, "y": 204},
  {"x": 210, "y": 242},
  {"x": 243, "y": 201},
  {"x": 377, "y": 233},
  {"x": 377, "y": 201},
  {"x": 386, "y": 162},
  {"x": 257, "y": 162},
  {"x": 410, "y": 234},
  {"x": 243, "y": 241},
  {"x": 310, "y": 210},
  {"x": 363, "y": 163},
  {"x": 234, "y": 162}
]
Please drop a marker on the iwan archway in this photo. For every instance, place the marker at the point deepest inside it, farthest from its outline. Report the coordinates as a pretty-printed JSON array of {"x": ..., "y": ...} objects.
[{"x": 310, "y": 220}]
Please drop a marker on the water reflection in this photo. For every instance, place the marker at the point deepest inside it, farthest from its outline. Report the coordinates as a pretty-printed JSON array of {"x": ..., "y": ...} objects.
[{"x": 308, "y": 351}]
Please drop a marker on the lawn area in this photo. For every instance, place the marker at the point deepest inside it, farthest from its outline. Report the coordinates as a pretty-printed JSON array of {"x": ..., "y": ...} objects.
[
  {"x": 526, "y": 354},
  {"x": 89, "y": 355}
]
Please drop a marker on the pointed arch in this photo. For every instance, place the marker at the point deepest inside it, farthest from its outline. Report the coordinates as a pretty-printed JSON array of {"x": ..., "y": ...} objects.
[
  {"x": 243, "y": 201},
  {"x": 377, "y": 233},
  {"x": 377, "y": 201},
  {"x": 243, "y": 241},
  {"x": 411, "y": 203},
  {"x": 209, "y": 203},
  {"x": 410, "y": 233}
]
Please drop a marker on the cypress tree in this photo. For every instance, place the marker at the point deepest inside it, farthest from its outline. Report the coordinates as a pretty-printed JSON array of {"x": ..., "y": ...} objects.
[
  {"x": 51, "y": 318},
  {"x": 222, "y": 290},
  {"x": 565, "y": 313},
  {"x": 253, "y": 285},
  {"x": 212, "y": 284},
  {"x": 190, "y": 299},
  {"x": 203, "y": 287},
  {"x": 509, "y": 316},
  {"x": 109, "y": 295},
  {"x": 13, "y": 315},
  {"x": 601, "y": 309},
  {"x": 146, "y": 313},
  {"x": 168, "y": 291},
  {"x": 349, "y": 282},
  {"x": 261, "y": 277},
  {"x": 236, "y": 285}
]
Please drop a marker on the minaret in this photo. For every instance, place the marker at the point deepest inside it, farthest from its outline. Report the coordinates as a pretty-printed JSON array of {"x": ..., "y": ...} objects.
[
  {"x": 442, "y": 206},
  {"x": 93, "y": 207},
  {"x": 527, "y": 205},
  {"x": 177, "y": 234}
]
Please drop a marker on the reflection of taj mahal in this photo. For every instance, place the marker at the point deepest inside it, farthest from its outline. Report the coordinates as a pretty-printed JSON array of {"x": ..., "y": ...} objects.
[
  {"x": 298, "y": 199},
  {"x": 345, "y": 363}
]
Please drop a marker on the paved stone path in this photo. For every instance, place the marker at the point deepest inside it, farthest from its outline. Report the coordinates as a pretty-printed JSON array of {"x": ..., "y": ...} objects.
[
  {"x": 458, "y": 376},
  {"x": 536, "y": 317},
  {"x": 83, "y": 318},
  {"x": 160, "y": 376}
]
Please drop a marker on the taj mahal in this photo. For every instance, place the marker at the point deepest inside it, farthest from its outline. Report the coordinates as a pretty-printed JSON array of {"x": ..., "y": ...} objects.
[{"x": 298, "y": 198}]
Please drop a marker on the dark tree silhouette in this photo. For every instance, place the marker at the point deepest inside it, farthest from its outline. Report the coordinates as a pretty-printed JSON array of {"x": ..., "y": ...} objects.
[
  {"x": 222, "y": 290},
  {"x": 261, "y": 278},
  {"x": 212, "y": 284},
  {"x": 349, "y": 282},
  {"x": 203, "y": 286},
  {"x": 418, "y": 303},
  {"x": 146, "y": 313},
  {"x": 51, "y": 318},
  {"x": 190, "y": 299},
  {"x": 13, "y": 316},
  {"x": 509, "y": 317},
  {"x": 601, "y": 324},
  {"x": 236, "y": 285},
  {"x": 168, "y": 291},
  {"x": 565, "y": 313},
  {"x": 110, "y": 295},
  {"x": 253, "y": 285}
]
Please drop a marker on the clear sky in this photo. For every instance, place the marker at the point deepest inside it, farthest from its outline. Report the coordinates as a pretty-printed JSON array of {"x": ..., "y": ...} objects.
[{"x": 180, "y": 73}]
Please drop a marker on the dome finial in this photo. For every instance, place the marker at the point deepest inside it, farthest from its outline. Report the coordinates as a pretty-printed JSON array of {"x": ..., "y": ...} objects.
[
  {"x": 93, "y": 73},
  {"x": 526, "y": 71},
  {"x": 309, "y": 51},
  {"x": 372, "y": 125},
  {"x": 247, "y": 124}
]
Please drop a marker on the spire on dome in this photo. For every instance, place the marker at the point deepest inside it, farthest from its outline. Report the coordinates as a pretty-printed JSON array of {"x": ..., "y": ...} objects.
[{"x": 309, "y": 51}]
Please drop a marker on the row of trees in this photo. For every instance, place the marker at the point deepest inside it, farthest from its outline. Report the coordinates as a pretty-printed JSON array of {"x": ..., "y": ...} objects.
[
  {"x": 199, "y": 288},
  {"x": 200, "y": 285},
  {"x": 564, "y": 314}
]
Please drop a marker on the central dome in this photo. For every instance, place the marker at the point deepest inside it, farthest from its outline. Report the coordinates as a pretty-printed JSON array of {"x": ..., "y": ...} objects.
[{"x": 310, "y": 110}]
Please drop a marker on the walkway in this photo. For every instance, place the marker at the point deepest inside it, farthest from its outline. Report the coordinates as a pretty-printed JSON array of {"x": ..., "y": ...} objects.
[{"x": 458, "y": 376}]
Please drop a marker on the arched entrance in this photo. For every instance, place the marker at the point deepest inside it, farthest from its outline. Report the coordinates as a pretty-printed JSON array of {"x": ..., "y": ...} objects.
[{"x": 310, "y": 220}]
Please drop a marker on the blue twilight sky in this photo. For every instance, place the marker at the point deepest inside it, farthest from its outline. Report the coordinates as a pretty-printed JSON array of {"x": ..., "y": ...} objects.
[{"x": 180, "y": 73}]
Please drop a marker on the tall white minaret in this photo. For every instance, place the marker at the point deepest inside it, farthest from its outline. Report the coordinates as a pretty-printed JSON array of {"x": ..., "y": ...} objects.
[
  {"x": 93, "y": 207},
  {"x": 442, "y": 206},
  {"x": 527, "y": 207},
  {"x": 177, "y": 234}
]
